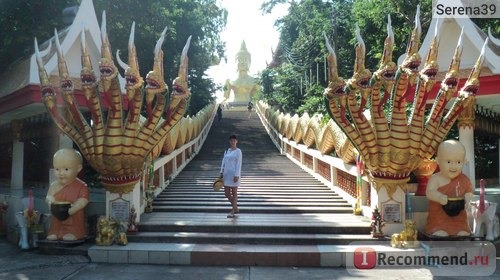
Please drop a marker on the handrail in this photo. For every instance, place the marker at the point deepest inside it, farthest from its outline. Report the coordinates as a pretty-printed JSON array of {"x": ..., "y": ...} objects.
[{"x": 330, "y": 170}]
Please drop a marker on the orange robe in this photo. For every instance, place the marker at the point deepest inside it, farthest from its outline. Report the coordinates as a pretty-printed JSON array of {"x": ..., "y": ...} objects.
[
  {"x": 438, "y": 219},
  {"x": 74, "y": 224}
]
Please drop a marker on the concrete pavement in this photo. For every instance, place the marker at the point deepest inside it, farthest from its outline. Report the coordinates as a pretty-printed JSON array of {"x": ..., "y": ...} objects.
[{"x": 17, "y": 264}]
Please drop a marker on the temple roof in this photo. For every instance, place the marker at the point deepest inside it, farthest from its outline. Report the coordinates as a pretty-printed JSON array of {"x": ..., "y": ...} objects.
[
  {"x": 448, "y": 32},
  {"x": 19, "y": 84}
]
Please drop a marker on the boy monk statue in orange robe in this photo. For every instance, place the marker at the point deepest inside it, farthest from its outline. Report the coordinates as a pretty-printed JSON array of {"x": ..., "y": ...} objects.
[
  {"x": 446, "y": 186},
  {"x": 68, "y": 188}
]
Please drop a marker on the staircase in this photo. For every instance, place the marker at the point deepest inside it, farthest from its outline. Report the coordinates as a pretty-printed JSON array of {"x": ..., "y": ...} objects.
[{"x": 286, "y": 217}]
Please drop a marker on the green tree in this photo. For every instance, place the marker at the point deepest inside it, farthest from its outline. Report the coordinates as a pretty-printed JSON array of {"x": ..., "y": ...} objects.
[
  {"x": 301, "y": 31},
  {"x": 313, "y": 101},
  {"x": 202, "y": 19},
  {"x": 303, "y": 52},
  {"x": 22, "y": 20},
  {"x": 280, "y": 87}
]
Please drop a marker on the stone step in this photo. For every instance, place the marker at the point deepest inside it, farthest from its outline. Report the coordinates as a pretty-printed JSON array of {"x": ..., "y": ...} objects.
[
  {"x": 265, "y": 194},
  {"x": 254, "y": 209},
  {"x": 268, "y": 176},
  {"x": 246, "y": 185},
  {"x": 324, "y": 223},
  {"x": 286, "y": 217},
  {"x": 222, "y": 254},
  {"x": 247, "y": 238},
  {"x": 270, "y": 199},
  {"x": 252, "y": 191},
  {"x": 256, "y": 194},
  {"x": 248, "y": 204}
]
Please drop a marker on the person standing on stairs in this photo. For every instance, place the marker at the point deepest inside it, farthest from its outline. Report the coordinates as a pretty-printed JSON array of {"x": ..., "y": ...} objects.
[
  {"x": 231, "y": 172},
  {"x": 250, "y": 107},
  {"x": 219, "y": 113}
]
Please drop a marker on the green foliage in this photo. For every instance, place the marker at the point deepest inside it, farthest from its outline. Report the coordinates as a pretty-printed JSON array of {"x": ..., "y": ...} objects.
[
  {"x": 202, "y": 19},
  {"x": 371, "y": 16},
  {"x": 303, "y": 44},
  {"x": 22, "y": 20},
  {"x": 281, "y": 88},
  {"x": 313, "y": 101},
  {"x": 486, "y": 155},
  {"x": 301, "y": 33}
]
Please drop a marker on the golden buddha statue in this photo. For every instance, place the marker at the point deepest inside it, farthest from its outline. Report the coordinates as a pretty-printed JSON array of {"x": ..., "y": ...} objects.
[{"x": 244, "y": 86}]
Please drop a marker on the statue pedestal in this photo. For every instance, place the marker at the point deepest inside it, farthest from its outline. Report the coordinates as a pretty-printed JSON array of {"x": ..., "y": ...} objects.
[
  {"x": 60, "y": 247},
  {"x": 118, "y": 205},
  {"x": 391, "y": 202}
]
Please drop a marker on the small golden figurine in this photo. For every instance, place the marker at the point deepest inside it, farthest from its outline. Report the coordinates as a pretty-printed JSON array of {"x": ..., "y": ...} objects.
[
  {"x": 407, "y": 238},
  {"x": 105, "y": 232},
  {"x": 122, "y": 239}
]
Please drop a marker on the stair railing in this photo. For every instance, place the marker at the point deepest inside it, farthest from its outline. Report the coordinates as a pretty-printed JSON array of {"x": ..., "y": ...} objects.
[
  {"x": 170, "y": 165},
  {"x": 186, "y": 139},
  {"x": 331, "y": 171}
]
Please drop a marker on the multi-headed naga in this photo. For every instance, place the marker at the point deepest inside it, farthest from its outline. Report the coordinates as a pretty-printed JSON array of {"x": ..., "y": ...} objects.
[
  {"x": 391, "y": 144},
  {"x": 118, "y": 141}
]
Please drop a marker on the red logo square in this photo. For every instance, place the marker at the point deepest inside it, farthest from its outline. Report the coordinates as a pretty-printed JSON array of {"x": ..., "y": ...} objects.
[{"x": 365, "y": 258}]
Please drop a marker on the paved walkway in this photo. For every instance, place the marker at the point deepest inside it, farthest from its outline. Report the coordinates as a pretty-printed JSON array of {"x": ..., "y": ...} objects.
[{"x": 16, "y": 264}]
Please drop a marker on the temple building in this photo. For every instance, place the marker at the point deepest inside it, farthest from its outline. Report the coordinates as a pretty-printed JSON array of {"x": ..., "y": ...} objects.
[{"x": 28, "y": 136}]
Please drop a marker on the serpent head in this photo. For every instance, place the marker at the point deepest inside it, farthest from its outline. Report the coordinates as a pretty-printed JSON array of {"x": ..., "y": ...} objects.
[
  {"x": 413, "y": 60},
  {"x": 133, "y": 79},
  {"x": 180, "y": 85},
  {"x": 87, "y": 74},
  {"x": 360, "y": 80},
  {"x": 107, "y": 67},
  {"x": 335, "y": 83},
  {"x": 387, "y": 70},
  {"x": 471, "y": 86},
  {"x": 155, "y": 83}
]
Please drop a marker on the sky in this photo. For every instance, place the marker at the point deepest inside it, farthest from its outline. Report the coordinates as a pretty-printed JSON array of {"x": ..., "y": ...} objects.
[{"x": 246, "y": 22}]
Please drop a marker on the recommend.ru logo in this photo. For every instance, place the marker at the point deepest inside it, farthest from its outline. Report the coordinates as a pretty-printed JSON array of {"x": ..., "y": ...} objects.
[{"x": 438, "y": 258}]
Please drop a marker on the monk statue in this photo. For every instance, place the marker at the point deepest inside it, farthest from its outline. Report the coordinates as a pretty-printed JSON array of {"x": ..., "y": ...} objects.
[
  {"x": 244, "y": 87},
  {"x": 449, "y": 192},
  {"x": 67, "y": 198}
]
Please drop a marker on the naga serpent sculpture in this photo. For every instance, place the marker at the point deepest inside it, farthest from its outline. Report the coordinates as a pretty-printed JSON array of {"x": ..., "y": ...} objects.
[
  {"x": 310, "y": 131},
  {"x": 118, "y": 147},
  {"x": 392, "y": 145}
]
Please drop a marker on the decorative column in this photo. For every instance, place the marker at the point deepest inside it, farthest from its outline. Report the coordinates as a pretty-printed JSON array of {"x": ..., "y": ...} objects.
[
  {"x": 118, "y": 204},
  {"x": 466, "y": 137},
  {"x": 161, "y": 174},
  {"x": 391, "y": 202},
  {"x": 17, "y": 172}
]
